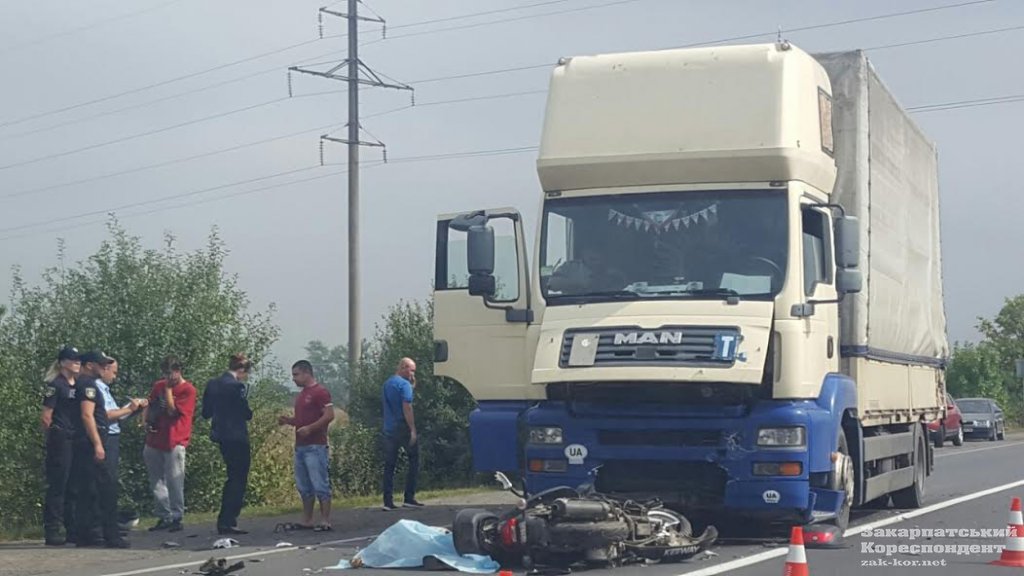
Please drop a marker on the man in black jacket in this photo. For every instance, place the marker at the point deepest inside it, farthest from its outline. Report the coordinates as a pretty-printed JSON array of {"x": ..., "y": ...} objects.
[{"x": 225, "y": 400}]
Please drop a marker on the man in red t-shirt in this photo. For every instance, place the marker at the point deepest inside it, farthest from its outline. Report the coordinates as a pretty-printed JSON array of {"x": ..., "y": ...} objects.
[
  {"x": 168, "y": 418},
  {"x": 313, "y": 414}
]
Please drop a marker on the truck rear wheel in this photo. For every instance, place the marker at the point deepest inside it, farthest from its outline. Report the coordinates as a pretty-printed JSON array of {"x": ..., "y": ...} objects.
[
  {"x": 940, "y": 439},
  {"x": 913, "y": 496}
]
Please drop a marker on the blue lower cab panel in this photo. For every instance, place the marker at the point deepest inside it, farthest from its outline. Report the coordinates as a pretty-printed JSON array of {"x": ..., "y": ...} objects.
[
  {"x": 696, "y": 463},
  {"x": 494, "y": 436}
]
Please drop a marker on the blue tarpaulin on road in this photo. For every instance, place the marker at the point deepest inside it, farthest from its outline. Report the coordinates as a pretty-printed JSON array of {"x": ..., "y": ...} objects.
[{"x": 407, "y": 543}]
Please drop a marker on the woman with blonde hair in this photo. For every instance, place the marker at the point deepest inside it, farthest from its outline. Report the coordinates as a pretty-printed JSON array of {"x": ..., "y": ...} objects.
[{"x": 59, "y": 406}]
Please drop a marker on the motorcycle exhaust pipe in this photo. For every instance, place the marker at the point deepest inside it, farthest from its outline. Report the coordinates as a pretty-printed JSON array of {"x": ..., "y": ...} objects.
[{"x": 586, "y": 510}]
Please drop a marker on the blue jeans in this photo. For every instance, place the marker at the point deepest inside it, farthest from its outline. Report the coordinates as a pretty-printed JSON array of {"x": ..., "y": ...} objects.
[{"x": 311, "y": 475}]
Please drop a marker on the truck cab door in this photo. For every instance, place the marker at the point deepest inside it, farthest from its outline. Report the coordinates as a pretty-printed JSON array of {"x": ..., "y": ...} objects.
[{"x": 481, "y": 340}]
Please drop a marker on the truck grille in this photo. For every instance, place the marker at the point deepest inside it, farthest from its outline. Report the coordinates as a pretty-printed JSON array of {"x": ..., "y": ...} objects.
[
  {"x": 659, "y": 437},
  {"x": 669, "y": 345},
  {"x": 695, "y": 484}
]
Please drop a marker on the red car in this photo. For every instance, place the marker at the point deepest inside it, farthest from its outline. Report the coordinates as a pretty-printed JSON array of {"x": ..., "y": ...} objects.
[{"x": 949, "y": 427}]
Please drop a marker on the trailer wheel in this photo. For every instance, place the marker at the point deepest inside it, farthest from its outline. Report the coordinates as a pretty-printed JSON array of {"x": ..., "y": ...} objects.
[{"x": 913, "y": 496}]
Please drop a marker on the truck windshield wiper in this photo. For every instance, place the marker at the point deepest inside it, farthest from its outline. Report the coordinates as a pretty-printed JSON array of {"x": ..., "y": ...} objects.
[
  {"x": 611, "y": 294},
  {"x": 704, "y": 292}
]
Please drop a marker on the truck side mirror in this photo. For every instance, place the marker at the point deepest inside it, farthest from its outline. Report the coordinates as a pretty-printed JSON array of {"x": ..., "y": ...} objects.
[
  {"x": 849, "y": 281},
  {"x": 847, "y": 242},
  {"x": 480, "y": 260}
]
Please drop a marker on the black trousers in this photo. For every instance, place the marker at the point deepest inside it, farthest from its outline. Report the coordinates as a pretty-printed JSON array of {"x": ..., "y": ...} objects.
[
  {"x": 112, "y": 446},
  {"x": 61, "y": 495},
  {"x": 97, "y": 494},
  {"x": 237, "y": 459},
  {"x": 391, "y": 445}
]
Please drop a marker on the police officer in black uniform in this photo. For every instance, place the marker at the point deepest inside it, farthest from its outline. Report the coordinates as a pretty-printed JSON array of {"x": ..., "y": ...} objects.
[
  {"x": 225, "y": 400},
  {"x": 97, "y": 485},
  {"x": 59, "y": 404}
]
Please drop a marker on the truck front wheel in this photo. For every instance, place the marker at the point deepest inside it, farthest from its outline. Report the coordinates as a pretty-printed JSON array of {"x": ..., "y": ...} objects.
[
  {"x": 842, "y": 479},
  {"x": 913, "y": 496}
]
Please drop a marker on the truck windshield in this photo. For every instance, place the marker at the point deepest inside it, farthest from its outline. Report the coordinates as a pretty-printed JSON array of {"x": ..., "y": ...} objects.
[{"x": 678, "y": 245}]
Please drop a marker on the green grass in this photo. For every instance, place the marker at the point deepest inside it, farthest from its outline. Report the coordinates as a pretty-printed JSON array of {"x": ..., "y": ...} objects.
[{"x": 339, "y": 503}]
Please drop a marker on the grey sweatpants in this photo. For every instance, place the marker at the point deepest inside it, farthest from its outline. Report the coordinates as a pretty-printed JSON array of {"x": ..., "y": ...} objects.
[{"x": 167, "y": 481}]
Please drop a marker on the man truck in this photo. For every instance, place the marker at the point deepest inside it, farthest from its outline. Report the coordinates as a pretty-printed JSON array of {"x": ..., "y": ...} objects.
[{"x": 735, "y": 303}]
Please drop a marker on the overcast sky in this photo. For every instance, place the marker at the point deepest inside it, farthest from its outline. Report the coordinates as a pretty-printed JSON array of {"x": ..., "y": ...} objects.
[{"x": 168, "y": 67}]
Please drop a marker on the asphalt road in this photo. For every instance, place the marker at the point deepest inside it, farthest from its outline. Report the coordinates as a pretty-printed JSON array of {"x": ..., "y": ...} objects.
[{"x": 970, "y": 493}]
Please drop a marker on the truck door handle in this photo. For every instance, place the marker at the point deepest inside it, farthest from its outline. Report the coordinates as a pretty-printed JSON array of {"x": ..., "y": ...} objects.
[{"x": 831, "y": 347}]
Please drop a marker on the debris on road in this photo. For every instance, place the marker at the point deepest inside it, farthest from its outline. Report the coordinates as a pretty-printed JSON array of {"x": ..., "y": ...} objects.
[
  {"x": 225, "y": 543},
  {"x": 219, "y": 567},
  {"x": 170, "y": 544}
]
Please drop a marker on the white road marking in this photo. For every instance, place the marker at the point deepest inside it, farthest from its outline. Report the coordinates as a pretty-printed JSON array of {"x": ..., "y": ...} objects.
[
  {"x": 783, "y": 550},
  {"x": 708, "y": 571},
  {"x": 959, "y": 452},
  {"x": 236, "y": 557}
]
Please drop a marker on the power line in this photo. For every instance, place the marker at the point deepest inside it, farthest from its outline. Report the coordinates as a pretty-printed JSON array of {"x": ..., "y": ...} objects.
[
  {"x": 957, "y": 104},
  {"x": 88, "y": 26},
  {"x": 516, "y": 19},
  {"x": 922, "y": 108},
  {"x": 155, "y": 200},
  {"x": 944, "y": 38},
  {"x": 405, "y": 159},
  {"x": 841, "y": 23},
  {"x": 474, "y": 15},
  {"x": 743, "y": 37},
  {"x": 220, "y": 67},
  {"x": 151, "y": 86},
  {"x": 450, "y": 77},
  {"x": 472, "y": 74},
  {"x": 84, "y": 224},
  {"x": 256, "y": 143},
  {"x": 318, "y": 130},
  {"x": 160, "y": 130}
]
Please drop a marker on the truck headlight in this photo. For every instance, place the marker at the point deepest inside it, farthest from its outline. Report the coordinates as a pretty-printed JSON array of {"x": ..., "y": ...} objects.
[
  {"x": 546, "y": 435},
  {"x": 785, "y": 437}
]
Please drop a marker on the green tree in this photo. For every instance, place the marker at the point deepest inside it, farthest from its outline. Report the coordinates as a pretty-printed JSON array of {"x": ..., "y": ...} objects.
[
  {"x": 137, "y": 305},
  {"x": 976, "y": 370},
  {"x": 442, "y": 408},
  {"x": 987, "y": 369},
  {"x": 331, "y": 367}
]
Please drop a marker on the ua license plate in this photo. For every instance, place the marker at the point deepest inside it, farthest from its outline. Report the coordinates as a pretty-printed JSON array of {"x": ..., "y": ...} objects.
[{"x": 968, "y": 429}]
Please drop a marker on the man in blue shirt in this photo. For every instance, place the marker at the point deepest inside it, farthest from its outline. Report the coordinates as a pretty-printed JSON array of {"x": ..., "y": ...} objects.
[
  {"x": 115, "y": 414},
  {"x": 400, "y": 432}
]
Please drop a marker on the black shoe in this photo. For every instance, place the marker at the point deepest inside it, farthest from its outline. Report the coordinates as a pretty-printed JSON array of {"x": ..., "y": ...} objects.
[
  {"x": 118, "y": 543},
  {"x": 55, "y": 540},
  {"x": 412, "y": 504},
  {"x": 161, "y": 525},
  {"x": 175, "y": 526},
  {"x": 232, "y": 530},
  {"x": 388, "y": 507}
]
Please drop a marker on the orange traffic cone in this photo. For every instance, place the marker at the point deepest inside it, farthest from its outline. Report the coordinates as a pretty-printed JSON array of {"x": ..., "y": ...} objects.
[
  {"x": 1013, "y": 553},
  {"x": 796, "y": 560}
]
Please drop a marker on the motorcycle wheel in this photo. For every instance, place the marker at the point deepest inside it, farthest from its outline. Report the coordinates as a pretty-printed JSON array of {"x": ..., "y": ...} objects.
[
  {"x": 468, "y": 531},
  {"x": 683, "y": 526}
]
